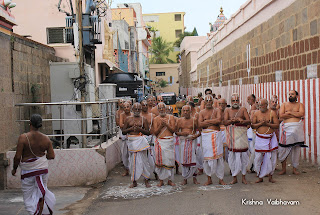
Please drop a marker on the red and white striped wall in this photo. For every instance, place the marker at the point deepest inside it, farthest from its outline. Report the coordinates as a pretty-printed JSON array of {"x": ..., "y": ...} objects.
[{"x": 308, "y": 90}]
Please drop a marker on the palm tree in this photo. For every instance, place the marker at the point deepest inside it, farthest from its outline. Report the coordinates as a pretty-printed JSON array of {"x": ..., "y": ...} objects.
[{"x": 160, "y": 50}]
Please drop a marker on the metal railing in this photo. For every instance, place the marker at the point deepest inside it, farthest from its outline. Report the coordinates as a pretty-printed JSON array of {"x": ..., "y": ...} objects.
[{"x": 60, "y": 120}]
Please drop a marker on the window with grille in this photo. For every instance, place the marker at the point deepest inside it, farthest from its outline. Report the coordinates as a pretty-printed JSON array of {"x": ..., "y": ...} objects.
[
  {"x": 178, "y": 32},
  {"x": 160, "y": 73},
  {"x": 56, "y": 35},
  {"x": 177, "y": 17}
]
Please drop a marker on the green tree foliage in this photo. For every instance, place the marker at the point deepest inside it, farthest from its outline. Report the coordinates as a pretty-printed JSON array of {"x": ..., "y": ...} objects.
[
  {"x": 162, "y": 83},
  {"x": 160, "y": 50},
  {"x": 177, "y": 43}
]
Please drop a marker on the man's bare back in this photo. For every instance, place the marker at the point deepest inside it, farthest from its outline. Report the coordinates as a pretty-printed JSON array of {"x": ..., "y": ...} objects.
[{"x": 39, "y": 143}]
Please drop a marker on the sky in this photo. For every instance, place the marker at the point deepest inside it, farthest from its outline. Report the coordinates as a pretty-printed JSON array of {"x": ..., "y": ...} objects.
[{"x": 198, "y": 12}]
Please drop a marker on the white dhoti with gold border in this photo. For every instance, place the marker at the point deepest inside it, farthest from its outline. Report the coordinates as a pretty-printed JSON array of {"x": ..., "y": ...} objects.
[
  {"x": 165, "y": 157},
  {"x": 212, "y": 148},
  {"x": 138, "y": 147}
]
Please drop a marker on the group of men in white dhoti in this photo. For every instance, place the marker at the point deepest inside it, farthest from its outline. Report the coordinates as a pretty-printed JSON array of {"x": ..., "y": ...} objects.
[
  {"x": 149, "y": 131},
  {"x": 204, "y": 132}
]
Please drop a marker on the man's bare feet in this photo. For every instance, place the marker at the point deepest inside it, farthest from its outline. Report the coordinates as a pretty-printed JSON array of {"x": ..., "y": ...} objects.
[
  {"x": 234, "y": 181},
  {"x": 171, "y": 183},
  {"x": 126, "y": 173},
  {"x": 221, "y": 182},
  {"x": 160, "y": 183},
  {"x": 200, "y": 172},
  {"x": 195, "y": 180},
  {"x": 185, "y": 181},
  {"x": 208, "y": 182},
  {"x": 295, "y": 171},
  {"x": 284, "y": 166},
  {"x": 259, "y": 180},
  {"x": 283, "y": 172},
  {"x": 271, "y": 179},
  {"x": 134, "y": 184},
  {"x": 146, "y": 182},
  {"x": 244, "y": 181}
]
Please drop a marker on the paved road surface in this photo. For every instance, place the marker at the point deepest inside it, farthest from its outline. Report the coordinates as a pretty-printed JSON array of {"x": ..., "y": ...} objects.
[{"x": 114, "y": 196}]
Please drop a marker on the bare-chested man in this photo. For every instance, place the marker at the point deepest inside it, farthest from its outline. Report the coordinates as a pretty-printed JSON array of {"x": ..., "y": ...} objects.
[
  {"x": 150, "y": 118},
  {"x": 207, "y": 92},
  {"x": 34, "y": 149},
  {"x": 236, "y": 119},
  {"x": 155, "y": 110},
  {"x": 291, "y": 131},
  {"x": 251, "y": 133},
  {"x": 276, "y": 98},
  {"x": 164, "y": 127},
  {"x": 200, "y": 99},
  {"x": 138, "y": 145},
  {"x": 199, "y": 154},
  {"x": 274, "y": 106},
  {"x": 169, "y": 111},
  {"x": 186, "y": 130},
  {"x": 151, "y": 103},
  {"x": 252, "y": 102},
  {"x": 119, "y": 112},
  {"x": 212, "y": 146},
  {"x": 125, "y": 154},
  {"x": 266, "y": 143},
  {"x": 222, "y": 106}
]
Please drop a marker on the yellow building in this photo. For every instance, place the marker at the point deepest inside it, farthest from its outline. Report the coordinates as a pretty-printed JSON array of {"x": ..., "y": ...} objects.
[
  {"x": 168, "y": 73},
  {"x": 168, "y": 26}
]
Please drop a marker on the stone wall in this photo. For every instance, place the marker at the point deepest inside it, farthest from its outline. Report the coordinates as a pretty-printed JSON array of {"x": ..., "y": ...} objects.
[
  {"x": 25, "y": 77},
  {"x": 288, "y": 41}
]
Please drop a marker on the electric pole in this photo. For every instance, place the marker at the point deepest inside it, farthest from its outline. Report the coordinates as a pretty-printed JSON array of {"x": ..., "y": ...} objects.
[{"x": 82, "y": 75}]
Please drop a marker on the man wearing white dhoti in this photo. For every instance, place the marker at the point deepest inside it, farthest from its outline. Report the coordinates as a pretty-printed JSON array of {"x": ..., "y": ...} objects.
[
  {"x": 186, "y": 130},
  {"x": 266, "y": 144},
  {"x": 150, "y": 138},
  {"x": 34, "y": 149},
  {"x": 136, "y": 126},
  {"x": 251, "y": 133},
  {"x": 212, "y": 145},
  {"x": 291, "y": 131},
  {"x": 164, "y": 127},
  {"x": 237, "y": 119},
  {"x": 124, "y": 151}
]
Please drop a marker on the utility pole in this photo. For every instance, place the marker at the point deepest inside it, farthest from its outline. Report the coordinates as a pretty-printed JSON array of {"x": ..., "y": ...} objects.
[{"x": 82, "y": 75}]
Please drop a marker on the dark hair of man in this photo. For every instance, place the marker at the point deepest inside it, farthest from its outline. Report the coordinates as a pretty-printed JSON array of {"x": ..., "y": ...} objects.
[
  {"x": 254, "y": 97},
  {"x": 207, "y": 91},
  {"x": 36, "y": 121},
  {"x": 297, "y": 94},
  {"x": 214, "y": 95}
]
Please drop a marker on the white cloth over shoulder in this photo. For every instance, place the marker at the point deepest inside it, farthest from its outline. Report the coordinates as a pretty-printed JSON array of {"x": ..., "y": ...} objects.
[{"x": 237, "y": 139}]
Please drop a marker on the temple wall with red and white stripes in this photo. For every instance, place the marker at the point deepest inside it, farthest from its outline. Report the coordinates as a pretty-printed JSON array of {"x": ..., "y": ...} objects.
[{"x": 308, "y": 90}]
